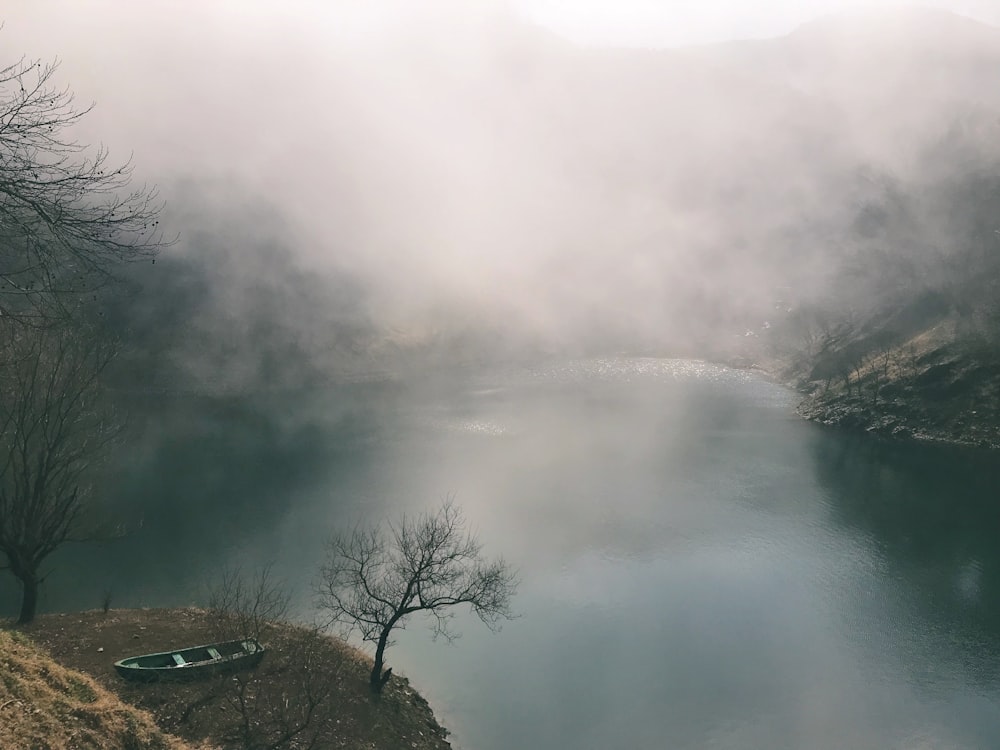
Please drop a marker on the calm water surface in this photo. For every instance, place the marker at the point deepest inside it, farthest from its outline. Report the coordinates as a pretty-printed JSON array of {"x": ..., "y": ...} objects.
[{"x": 700, "y": 568}]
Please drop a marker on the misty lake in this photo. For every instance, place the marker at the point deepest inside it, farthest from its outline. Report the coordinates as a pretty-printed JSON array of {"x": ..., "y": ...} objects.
[{"x": 700, "y": 568}]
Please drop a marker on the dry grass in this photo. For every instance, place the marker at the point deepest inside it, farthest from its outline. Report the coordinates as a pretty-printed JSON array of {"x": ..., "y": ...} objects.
[
  {"x": 205, "y": 711},
  {"x": 44, "y": 706}
]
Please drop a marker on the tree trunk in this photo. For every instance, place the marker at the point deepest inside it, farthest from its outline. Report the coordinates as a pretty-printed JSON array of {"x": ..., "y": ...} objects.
[
  {"x": 29, "y": 598},
  {"x": 376, "y": 680}
]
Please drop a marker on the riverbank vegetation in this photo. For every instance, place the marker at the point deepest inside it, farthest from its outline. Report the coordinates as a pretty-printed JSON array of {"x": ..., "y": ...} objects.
[
  {"x": 933, "y": 386},
  {"x": 310, "y": 691},
  {"x": 906, "y": 344},
  {"x": 43, "y": 704}
]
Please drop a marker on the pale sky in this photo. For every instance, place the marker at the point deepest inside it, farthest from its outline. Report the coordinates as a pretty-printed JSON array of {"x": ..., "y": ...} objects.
[
  {"x": 680, "y": 22},
  {"x": 642, "y": 23}
]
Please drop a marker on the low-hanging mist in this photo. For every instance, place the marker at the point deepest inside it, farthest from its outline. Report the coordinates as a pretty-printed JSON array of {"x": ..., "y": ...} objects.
[
  {"x": 431, "y": 250},
  {"x": 355, "y": 188}
]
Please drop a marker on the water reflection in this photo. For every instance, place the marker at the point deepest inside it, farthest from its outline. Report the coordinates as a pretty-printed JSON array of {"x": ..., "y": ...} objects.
[
  {"x": 933, "y": 512},
  {"x": 208, "y": 482},
  {"x": 701, "y": 568}
]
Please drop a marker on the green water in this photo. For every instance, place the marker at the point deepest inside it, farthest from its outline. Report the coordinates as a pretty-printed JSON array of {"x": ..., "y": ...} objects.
[{"x": 700, "y": 568}]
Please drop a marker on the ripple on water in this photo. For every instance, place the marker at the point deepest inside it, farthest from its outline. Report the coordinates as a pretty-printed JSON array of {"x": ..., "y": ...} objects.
[
  {"x": 645, "y": 370},
  {"x": 626, "y": 369},
  {"x": 469, "y": 427}
]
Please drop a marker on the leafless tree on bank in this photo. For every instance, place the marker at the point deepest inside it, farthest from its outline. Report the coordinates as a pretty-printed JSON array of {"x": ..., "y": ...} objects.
[
  {"x": 286, "y": 702},
  {"x": 67, "y": 214},
  {"x": 242, "y": 606},
  {"x": 375, "y": 578},
  {"x": 55, "y": 428}
]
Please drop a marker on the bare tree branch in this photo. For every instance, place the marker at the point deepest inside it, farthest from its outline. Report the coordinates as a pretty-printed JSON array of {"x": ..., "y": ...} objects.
[
  {"x": 374, "y": 578},
  {"x": 287, "y": 702},
  {"x": 242, "y": 606},
  {"x": 54, "y": 431},
  {"x": 68, "y": 215}
]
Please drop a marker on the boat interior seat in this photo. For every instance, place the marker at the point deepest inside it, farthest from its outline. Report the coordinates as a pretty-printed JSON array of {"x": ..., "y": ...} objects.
[
  {"x": 179, "y": 660},
  {"x": 214, "y": 653}
]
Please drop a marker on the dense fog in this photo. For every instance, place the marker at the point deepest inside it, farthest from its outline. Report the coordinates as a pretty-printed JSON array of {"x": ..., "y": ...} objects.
[
  {"x": 560, "y": 267},
  {"x": 359, "y": 188}
]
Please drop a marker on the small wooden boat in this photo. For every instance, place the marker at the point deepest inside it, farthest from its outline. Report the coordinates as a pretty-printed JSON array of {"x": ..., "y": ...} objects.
[{"x": 197, "y": 661}]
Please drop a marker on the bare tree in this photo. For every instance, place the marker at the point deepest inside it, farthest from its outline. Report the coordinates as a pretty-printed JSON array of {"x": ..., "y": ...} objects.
[
  {"x": 286, "y": 702},
  {"x": 289, "y": 701},
  {"x": 54, "y": 429},
  {"x": 374, "y": 578},
  {"x": 67, "y": 215},
  {"x": 243, "y": 606},
  {"x": 880, "y": 367}
]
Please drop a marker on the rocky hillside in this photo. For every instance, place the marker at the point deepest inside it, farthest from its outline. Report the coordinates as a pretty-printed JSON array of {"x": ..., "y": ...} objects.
[{"x": 939, "y": 381}]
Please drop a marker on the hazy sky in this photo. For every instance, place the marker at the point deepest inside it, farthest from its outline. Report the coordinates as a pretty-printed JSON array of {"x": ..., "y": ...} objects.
[
  {"x": 444, "y": 159},
  {"x": 655, "y": 23},
  {"x": 678, "y": 22}
]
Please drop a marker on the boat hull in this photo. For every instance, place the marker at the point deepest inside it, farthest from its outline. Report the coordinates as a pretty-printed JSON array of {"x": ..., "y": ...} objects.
[{"x": 193, "y": 662}]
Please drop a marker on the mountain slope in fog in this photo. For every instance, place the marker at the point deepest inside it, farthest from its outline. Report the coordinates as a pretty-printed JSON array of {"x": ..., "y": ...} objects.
[
  {"x": 489, "y": 189},
  {"x": 894, "y": 73},
  {"x": 662, "y": 199},
  {"x": 906, "y": 341}
]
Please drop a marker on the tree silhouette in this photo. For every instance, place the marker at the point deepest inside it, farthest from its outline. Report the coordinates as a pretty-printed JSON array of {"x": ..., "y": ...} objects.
[
  {"x": 67, "y": 215},
  {"x": 374, "y": 578},
  {"x": 54, "y": 429}
]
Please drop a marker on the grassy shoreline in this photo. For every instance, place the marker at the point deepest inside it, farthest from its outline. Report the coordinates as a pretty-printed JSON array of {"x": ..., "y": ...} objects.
[
  {"x": 204, "y": 713},
  {"x": 45, "y": 705}
]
